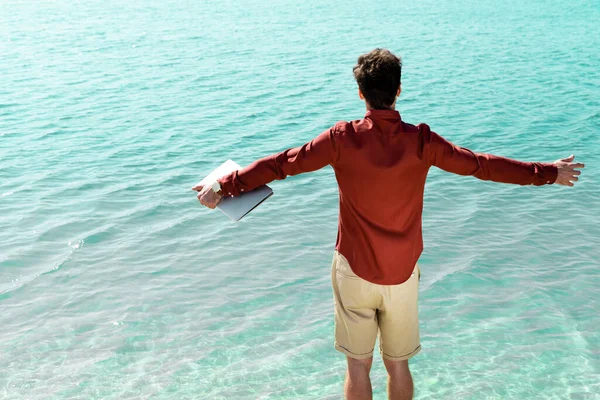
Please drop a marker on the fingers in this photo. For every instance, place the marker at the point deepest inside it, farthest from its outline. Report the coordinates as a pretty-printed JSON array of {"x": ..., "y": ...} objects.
[
  {"x": 568, "y": 159},
  {"x": 207, "y": 200},
  {"x": 565, "y": 183},
  {"x": 200, "y": 197},
  {"x": 198, "y": 188},
  {"x": 567, "y": 177},
  {"x": 577, "y": 165},
  {"x": 212, "y": 206}
]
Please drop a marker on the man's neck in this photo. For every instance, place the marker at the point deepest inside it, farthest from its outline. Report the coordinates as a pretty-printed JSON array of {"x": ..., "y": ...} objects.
[
  {"x": 392, "y": 107},
  {"x": 382, "y": 109}
]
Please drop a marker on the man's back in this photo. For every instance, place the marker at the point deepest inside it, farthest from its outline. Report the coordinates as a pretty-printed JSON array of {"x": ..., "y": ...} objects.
[{"x": 381, "y": 179}]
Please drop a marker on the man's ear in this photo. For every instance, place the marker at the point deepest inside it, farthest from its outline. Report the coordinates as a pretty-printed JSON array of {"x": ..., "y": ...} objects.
[
  {"x": 399, "y": 91},
  {"x": 362, "y": 97}
]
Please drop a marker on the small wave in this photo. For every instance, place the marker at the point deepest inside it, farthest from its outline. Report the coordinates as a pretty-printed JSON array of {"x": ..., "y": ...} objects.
[
  {"x": 73, "y": 246},
  {"x": 8, "y": 293}
]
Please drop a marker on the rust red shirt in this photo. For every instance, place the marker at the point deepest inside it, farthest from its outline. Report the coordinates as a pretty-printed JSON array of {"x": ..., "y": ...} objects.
[{"x": 381, "y": 164}]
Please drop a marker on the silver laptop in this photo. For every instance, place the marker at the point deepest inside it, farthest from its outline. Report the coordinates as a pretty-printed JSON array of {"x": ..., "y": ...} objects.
[{"x": 237, "y": 207}]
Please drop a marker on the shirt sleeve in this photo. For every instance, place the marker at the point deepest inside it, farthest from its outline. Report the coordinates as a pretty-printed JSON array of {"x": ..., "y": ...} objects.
[
  {"x": 314, "y": 155},
  {"x": 439, "y": 152}
]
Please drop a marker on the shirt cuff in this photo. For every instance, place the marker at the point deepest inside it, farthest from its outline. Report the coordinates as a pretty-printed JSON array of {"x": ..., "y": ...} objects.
[
  {"x": 229, "y": 186},
  {"x": 546, "y": 174}
]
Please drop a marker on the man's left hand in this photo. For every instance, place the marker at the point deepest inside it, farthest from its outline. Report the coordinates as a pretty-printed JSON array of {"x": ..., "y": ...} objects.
[{"x": 207, "y": 196}]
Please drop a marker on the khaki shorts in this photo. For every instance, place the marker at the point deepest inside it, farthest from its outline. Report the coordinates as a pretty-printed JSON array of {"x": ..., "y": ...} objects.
[{"x": 362, "y": 309}]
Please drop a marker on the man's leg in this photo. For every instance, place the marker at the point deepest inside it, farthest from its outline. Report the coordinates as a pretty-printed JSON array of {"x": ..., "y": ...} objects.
[
  {"x": 400, "y": 383},
  {"x": 398, "y": 318},
  {"x": 358, "y": 383},
  {"x": 355, "y": 309}
]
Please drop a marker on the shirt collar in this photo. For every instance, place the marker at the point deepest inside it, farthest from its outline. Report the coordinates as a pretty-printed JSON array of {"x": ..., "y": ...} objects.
[{"x": 383, "y": 114}]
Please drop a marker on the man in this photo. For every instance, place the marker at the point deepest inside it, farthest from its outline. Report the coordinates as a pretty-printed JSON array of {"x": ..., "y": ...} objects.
[{"x": 381, "y": 164}]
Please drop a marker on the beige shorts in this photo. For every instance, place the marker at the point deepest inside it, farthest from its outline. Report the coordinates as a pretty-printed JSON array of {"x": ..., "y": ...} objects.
[{"x": 363, "y": 309}]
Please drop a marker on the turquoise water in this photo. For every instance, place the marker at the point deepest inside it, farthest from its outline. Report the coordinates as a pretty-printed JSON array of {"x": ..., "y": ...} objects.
[{"x": 115, "y": 283}]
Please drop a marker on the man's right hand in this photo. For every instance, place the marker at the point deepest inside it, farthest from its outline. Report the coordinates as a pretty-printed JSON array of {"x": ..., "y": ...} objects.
[
  {"x": 567, "y": 171},
  {"x": 207, "y": 196}
]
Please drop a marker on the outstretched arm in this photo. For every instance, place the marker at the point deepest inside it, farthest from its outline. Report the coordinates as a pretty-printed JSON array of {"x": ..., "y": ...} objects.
[
  {"x": 441, "y": 153},
  {"x": 311, "y": 156}
]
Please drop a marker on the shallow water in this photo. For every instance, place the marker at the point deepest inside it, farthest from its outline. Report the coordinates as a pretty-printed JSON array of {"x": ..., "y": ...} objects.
[{"x": 115, "y": 283}]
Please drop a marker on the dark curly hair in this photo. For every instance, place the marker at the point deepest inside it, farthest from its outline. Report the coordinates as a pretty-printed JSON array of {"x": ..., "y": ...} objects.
[{"x": 378, "y": 76}]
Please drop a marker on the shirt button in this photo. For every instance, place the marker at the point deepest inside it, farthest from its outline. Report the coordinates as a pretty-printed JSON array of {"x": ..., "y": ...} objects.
[{"x": 242, "y": 190}]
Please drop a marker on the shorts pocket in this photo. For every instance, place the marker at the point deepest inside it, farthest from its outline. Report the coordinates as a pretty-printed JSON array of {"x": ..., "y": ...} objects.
[{"x": 342, "y": 267}]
